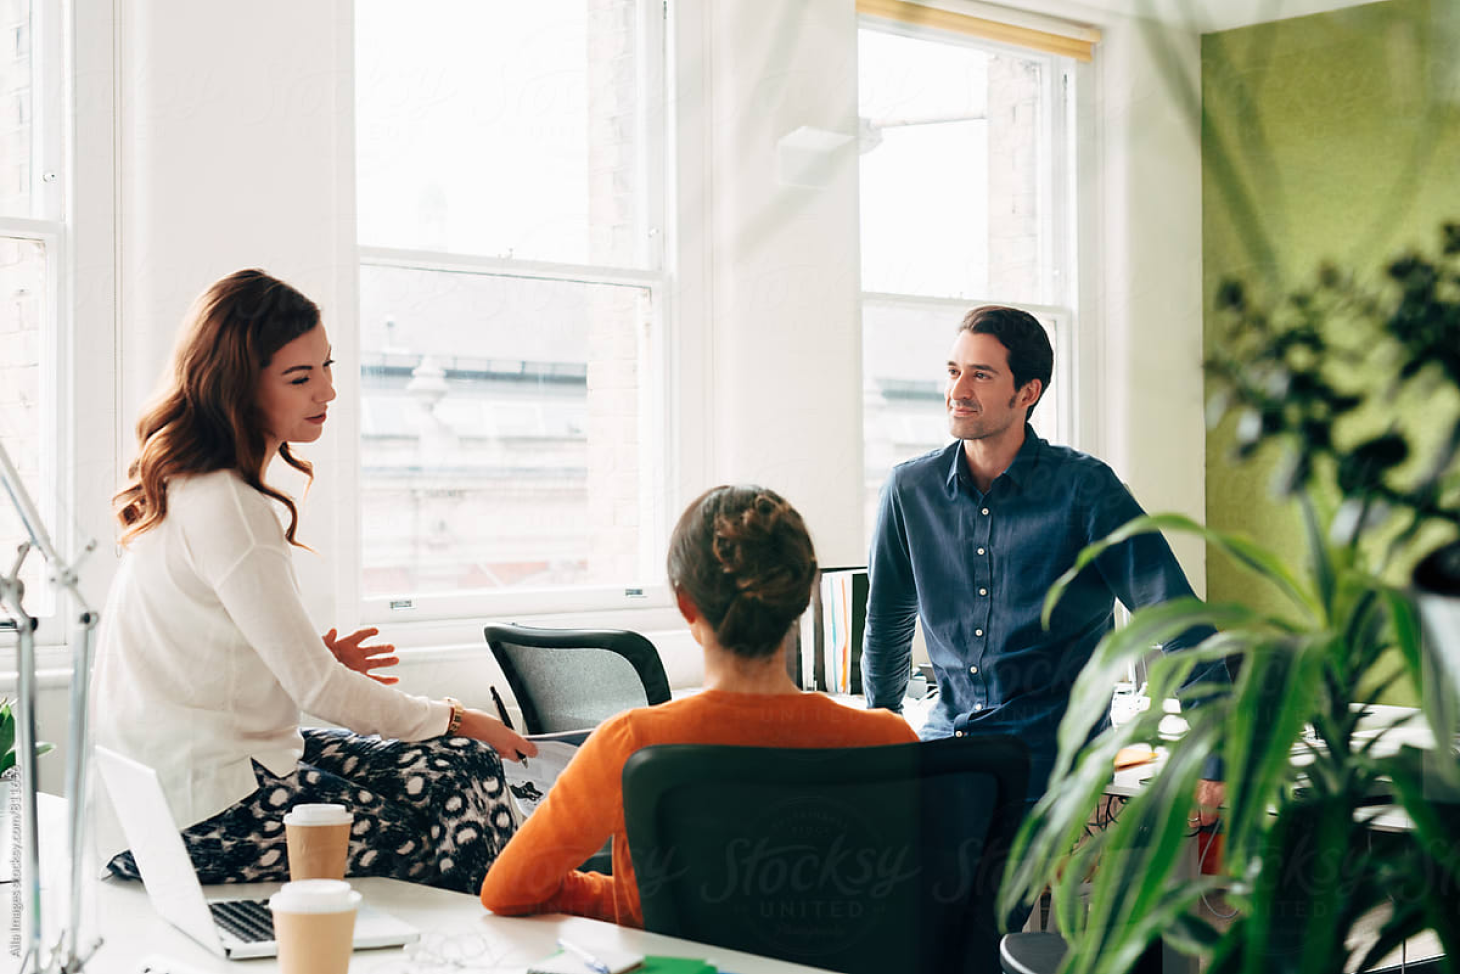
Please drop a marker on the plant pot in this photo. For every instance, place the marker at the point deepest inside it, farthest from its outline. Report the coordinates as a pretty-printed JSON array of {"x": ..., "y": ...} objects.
[
  {"x": 1439, "y": 573},
  {"x": 1437, "y": 596},
  {"x": 9, "y": 827}
]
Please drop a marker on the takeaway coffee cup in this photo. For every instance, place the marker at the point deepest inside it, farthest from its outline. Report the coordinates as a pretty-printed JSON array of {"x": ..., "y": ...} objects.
[
  {"x": 314, "y": 924},
  {"x": 318, "y": 837}
]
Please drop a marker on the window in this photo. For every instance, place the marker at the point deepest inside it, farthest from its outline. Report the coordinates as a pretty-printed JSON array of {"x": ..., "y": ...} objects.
[
  {"x": 965, "y": 200},
  {"x": 31, "y": 235},
  {"x": 511, "y": 302}
]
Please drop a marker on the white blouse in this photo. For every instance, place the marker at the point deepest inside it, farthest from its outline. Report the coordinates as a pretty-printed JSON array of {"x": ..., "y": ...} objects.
[{"x": 206, "y": 656}]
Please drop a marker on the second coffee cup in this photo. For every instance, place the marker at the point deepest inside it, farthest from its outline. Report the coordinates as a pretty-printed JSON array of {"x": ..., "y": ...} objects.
[
  {"x": 318, "y": 837},
  {"x": 314, "y": 923}
]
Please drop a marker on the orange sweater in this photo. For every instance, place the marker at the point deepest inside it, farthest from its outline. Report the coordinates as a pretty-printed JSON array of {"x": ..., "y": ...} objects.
[{"x": 536, "y": 874}]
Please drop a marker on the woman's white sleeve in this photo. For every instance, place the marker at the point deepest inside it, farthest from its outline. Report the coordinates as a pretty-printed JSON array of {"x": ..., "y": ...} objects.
[
  {"x": 237, "y": 547},
  {"x": 263, "y": 600}
]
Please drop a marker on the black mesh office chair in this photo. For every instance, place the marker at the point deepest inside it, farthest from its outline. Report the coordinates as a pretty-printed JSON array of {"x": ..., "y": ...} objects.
[
  {"x": 573, "y": 679},
  {"x": 869, "y": 859}
]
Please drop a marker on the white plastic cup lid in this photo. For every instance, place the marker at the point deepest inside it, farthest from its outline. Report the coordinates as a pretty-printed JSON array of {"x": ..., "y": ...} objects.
[
  {"x": 315, "y": 896},
  {"x": 318, "y": 815}
]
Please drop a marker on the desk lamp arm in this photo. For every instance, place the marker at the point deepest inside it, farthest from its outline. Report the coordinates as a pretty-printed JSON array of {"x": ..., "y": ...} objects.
[{"x": 66, "y": 958}]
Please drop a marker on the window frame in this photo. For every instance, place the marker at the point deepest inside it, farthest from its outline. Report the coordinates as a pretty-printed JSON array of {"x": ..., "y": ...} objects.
[
  {"x": 656, "y": 260},
  {"x": 1059, "y": 319},
  {"x": 1061, "y": 258},
  {"x": 51, "y": 186}
]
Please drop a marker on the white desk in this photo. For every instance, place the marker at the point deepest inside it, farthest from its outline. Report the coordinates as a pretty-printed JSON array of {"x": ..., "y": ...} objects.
[{"x": 458, "y": 935}]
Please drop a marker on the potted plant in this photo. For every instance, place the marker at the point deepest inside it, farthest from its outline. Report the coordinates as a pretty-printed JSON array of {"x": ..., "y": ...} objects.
[
  {"x": 8, "y": 781},
  {"x": 7, "y": 740},
  {"x": 1302, "y": 866}
]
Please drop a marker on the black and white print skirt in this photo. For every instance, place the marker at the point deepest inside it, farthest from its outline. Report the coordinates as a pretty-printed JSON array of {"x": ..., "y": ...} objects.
[{"x": 435, "y": 812}]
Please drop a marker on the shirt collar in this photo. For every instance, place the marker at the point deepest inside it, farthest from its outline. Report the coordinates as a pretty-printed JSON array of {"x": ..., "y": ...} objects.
[
  {"x": 1026, "y": 459},
  {"x": 1018, "y": 471}
]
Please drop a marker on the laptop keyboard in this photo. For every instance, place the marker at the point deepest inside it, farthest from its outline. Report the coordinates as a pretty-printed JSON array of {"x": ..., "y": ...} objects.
[{"x": 248, "y": 920}]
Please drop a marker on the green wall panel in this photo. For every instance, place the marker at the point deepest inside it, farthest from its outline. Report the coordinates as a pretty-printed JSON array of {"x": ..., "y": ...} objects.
[{"x": 1336, "y": 138}]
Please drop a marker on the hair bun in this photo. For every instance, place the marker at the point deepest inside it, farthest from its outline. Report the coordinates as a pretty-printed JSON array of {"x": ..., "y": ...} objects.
[
  {"x": 745, "y": 540},
  {"x": 760, "y": 565}
]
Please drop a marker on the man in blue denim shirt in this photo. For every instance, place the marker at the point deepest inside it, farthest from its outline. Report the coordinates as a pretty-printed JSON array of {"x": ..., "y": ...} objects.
[{"x": 971, "y": 537}]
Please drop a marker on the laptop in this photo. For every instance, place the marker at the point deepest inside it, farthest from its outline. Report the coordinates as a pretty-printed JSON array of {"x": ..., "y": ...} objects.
[{"x": 232, "y": 928}]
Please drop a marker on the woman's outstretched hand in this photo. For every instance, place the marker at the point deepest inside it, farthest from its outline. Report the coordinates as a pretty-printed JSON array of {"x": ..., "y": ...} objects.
[
  {"x": 363, "y": 659},
  {"x": 509, "y": 745}
]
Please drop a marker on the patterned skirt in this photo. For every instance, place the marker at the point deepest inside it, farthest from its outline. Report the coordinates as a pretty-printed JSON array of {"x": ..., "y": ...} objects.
[{"x": 435, "y": 812}]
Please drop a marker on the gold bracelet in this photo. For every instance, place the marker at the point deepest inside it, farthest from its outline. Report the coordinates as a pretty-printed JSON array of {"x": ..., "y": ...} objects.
[{"x": 457, "y": 712}]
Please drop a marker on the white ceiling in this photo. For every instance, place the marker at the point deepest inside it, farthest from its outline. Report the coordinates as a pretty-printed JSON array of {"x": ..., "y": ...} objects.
[{"x": 1213, "y": 15}]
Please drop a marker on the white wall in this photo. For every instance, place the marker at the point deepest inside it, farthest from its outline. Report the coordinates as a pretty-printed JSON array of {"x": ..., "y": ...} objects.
[
  {"x": 1141, "y": 378},
  {"x": 236, "y": 150},
  {"x": 786, "y": 325},
  {"x": 234, "y": 146}
]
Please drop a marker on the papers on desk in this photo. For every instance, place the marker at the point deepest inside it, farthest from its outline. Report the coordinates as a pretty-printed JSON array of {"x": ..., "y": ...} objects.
[
  {"x": 157, "y": 964},
  {"x": 530, "y": 780},
  {"x": 605, "y": 960},
  {"x": 565, "y": 963}
]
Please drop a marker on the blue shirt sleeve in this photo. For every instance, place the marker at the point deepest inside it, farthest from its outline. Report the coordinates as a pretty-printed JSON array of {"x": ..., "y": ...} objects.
[
  {"x": 892, "y": 607},
  {"x": 1144, "y": 571}
]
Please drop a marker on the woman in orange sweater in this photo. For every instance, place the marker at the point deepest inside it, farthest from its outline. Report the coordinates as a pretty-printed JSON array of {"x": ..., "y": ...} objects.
[{"x": 741, "y": 566}]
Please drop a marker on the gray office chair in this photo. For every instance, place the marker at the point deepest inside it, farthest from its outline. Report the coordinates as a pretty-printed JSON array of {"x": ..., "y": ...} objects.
[
  {"x": 861, "y": 860},
  {"x": 574, "y": 679}
]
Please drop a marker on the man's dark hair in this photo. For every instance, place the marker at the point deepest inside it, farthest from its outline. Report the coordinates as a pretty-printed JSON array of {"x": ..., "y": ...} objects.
[{"x": 1030, "y": 355}]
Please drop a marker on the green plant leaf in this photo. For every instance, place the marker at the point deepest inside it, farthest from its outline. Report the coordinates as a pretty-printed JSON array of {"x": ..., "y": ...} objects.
[
  {"x": 1131, "y": 894},
  {"x": 1277, "y": 687},
  {"x": 1438, "y": 700},
  {"x": 1252, "y": 556},
  {"x": 1187, "y": 933},
  {"x": 7, "y": 732},
  {"x": 7, "y": 739},
  {"x": 1090, "y": 696},
  {"x": 1320, "y": 563},
  {"x": 1058, "y": 821},
  {"x": 1295, "y": 906},
  {"x": 1295, "y": 910},
  {"x": 1436, "y": 834},
  {"x": 1407, "y": 920}
]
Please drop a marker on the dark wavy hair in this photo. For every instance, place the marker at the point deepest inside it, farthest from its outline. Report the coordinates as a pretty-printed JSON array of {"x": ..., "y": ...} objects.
[
  {"x": 1030, "y": 354},
  {"x": 743, "y": 556},
  {"x": 206, "y": 417}
]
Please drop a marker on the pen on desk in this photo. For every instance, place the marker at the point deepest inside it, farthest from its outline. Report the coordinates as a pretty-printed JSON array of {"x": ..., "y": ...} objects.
[{"x": 593, "y": 963}]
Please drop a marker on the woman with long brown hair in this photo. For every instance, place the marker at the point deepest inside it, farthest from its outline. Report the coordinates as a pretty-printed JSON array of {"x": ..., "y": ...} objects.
[
  {"x": 207, "y": 656},
  {"x": 741, "y": 565}
]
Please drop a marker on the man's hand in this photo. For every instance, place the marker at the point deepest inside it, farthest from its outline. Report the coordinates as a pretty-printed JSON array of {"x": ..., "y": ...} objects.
[
  {"x": 363, "y": 659},
  {"x": 1209, "y": 798}
]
